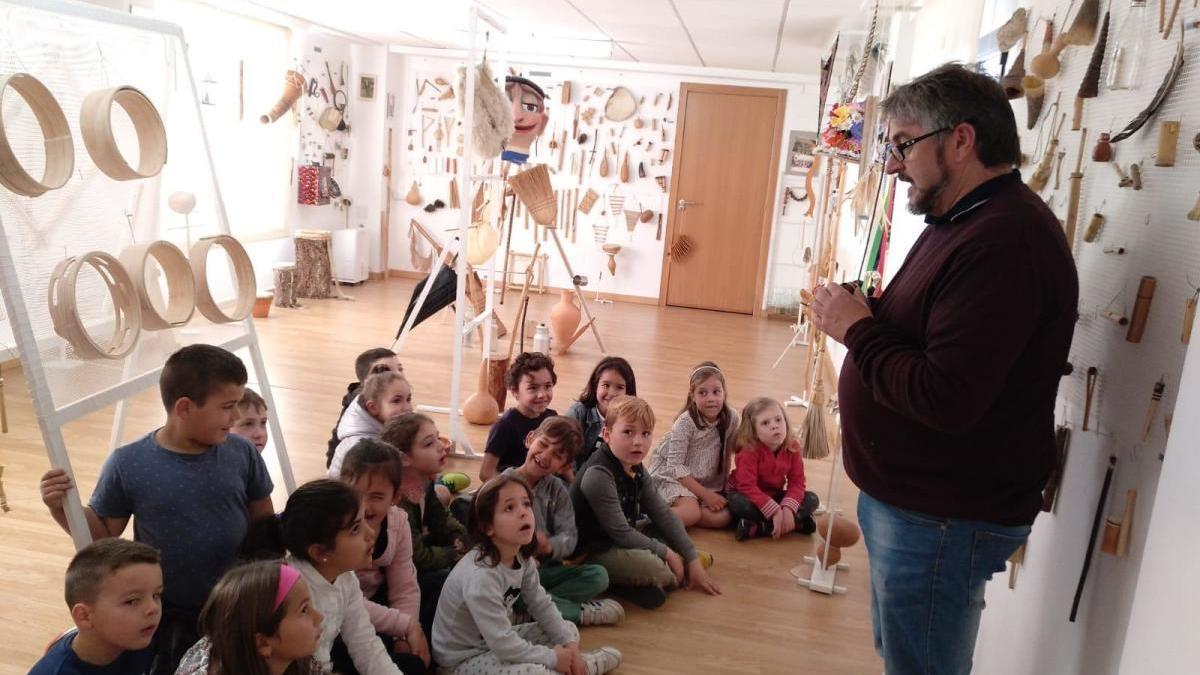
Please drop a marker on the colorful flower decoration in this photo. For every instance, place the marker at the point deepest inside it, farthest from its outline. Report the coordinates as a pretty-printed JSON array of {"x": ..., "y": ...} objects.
[{"x": 843, "y": 133}]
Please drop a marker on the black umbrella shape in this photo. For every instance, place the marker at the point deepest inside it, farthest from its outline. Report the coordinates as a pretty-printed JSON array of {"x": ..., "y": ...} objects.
[{"x": 441, "y": 295}]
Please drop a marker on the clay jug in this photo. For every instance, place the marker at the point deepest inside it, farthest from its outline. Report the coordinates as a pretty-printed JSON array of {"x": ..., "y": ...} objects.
[
  {"x": 481, "y": 407},
  {"x": 835, "y": 555},
  {"x": 564, "y": 318},
  {"x": 845, "y": 533}
]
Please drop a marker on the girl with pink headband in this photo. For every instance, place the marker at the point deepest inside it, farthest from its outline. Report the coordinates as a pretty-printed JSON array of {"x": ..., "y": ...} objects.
[{"x": 258, "y": 620}]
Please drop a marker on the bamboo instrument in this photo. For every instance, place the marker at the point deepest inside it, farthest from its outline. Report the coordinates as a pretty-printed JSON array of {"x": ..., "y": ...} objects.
[
  {"x": 1076, "y": 181},
  {"x": 1090, "y": 86},
  {"x": 1062, "y": 442},
  {"x": 523, "y": 303},
  {"x": 1189, "y": 317},
  {"x": 1093, "y": 228},
  {"x": 1087, "y": 557},
  {"x": 1093, "y": 374},
  {"x": 1168, "y": 138},
  {"x": 1152, "y": 411},
  {"x": 1141, "y": 309},
  {"x": 1058, "y": 168},
  {"x": 1017, "y": 559},
  {"x": 1126, "y": 523}
]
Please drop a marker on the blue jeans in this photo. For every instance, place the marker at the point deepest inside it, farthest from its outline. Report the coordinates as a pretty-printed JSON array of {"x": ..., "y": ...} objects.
[{"x": 927, "y": 580}]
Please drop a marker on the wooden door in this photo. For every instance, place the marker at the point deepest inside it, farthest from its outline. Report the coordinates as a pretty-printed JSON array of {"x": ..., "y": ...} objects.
[{"x": 727, "y": 146}]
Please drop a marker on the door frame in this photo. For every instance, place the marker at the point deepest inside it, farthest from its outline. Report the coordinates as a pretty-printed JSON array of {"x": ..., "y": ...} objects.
[{"x": 780, "y": 96}]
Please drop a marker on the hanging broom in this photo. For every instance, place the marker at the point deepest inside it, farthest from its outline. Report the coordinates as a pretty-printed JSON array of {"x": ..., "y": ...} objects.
[
  {"x": 814, "y": 437},
  {"x": 532, "y": 187}
]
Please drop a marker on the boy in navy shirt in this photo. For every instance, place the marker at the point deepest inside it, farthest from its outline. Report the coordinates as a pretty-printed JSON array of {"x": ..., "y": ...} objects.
[
  {"x": 191, "y": 486},
  {"x": 114, "y": 589}
]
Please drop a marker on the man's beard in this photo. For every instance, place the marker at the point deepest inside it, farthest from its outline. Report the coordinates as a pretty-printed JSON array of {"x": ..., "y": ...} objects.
[{"x": 927, "y": 198}]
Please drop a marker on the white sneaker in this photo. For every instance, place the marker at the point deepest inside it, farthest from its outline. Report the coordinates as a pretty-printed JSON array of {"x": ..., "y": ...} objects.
[
  {"x": 604, "y": 612},
  {"x": 602, "y": 660}
]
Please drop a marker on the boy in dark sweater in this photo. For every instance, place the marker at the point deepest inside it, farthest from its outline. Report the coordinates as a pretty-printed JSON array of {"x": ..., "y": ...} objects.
[
  {"x": 610, "y": 493},
  {"x": 530, "y": 379}
]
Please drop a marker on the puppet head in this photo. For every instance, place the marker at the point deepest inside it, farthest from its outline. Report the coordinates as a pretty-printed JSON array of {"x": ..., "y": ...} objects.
[{"x": 529, "y": 116}]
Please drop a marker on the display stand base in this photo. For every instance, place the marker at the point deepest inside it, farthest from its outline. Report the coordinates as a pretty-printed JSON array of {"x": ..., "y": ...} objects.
[{"x": 820, "y": 580}]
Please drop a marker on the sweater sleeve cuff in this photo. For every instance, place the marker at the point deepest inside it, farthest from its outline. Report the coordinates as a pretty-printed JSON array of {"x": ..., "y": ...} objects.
[
  {"x": 859, "y": 332},
  {"x": 789, "y": 503},
  {"x": 770, "y": 508}
]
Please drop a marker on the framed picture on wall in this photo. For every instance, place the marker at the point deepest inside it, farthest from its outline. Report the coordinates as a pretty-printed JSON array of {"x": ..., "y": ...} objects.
[
  {"x": 366, "y": 87},
  {"x": 801, "y": 145}
]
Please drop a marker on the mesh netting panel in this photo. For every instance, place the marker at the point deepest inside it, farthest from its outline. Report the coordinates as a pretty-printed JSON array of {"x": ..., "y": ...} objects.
[{"x": 74, "y": 56}]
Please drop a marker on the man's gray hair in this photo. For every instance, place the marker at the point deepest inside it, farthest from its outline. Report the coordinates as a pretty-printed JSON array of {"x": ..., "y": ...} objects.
[{"x": 950, "y": 95}]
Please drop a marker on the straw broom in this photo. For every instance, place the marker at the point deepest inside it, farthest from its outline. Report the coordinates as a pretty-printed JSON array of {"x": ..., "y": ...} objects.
[{"x": 532, "y": 187}]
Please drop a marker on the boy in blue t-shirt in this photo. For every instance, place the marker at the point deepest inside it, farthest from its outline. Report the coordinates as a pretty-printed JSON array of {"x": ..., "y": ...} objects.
[
  {"x": 114, "y": 589},
  {"x": 191, "y": 486}
]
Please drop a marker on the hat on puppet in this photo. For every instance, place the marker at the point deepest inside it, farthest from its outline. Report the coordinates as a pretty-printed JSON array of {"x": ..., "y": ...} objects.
[
  {"x": 517, "y": 79},
  {"x": 529, "y": 117}
]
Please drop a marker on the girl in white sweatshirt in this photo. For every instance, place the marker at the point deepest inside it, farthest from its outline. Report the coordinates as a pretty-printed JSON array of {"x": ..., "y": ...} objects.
[
  {"x": 473, "y": 633},
  {"x": 382, "y": 396},
  {"x": 324, "y": 534}
]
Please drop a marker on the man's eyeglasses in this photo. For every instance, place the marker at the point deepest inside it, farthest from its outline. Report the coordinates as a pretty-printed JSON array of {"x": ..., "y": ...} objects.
[{"x": 896, "y": 151}]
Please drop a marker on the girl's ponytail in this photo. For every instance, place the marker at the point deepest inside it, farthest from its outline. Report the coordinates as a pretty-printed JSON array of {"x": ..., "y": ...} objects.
[{"x": 314, "y": 514}]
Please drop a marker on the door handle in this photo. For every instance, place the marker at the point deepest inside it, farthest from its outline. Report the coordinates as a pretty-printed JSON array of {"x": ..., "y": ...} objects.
[{"x": 683, "y": 204}]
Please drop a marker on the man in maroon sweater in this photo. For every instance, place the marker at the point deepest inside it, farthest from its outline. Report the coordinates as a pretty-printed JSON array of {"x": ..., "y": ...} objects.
[{"x": 947, "y": 393}]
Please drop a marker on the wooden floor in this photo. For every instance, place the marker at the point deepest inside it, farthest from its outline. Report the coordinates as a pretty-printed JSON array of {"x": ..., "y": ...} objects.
[{"x": 763, "y": 623}]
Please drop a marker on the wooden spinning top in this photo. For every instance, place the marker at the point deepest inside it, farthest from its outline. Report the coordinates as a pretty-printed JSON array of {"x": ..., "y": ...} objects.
[{"x": 612, "y": 250}]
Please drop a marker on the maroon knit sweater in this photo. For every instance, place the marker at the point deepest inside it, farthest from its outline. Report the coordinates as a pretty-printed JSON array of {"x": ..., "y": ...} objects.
[{"x": 947, "y": 394}]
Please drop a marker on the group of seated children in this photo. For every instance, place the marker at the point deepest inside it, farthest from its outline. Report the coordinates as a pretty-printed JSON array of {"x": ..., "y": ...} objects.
[{"x": 367, "y": 571}]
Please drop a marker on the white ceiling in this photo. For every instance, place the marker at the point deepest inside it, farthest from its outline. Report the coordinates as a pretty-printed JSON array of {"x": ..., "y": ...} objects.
[{"x": 743, "y": 34}]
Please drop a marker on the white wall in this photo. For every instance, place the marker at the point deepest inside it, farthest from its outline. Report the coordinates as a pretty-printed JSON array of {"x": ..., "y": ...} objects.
[
  {"x": 639, "y": 264},
  {"x": 1162, "y": 625}
]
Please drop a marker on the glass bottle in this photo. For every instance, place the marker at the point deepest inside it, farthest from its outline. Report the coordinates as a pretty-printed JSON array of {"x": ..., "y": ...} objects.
[{"x": 1125, "y": 60}]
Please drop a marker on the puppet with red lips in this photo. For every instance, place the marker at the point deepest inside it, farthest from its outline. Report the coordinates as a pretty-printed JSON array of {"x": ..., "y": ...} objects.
[{"x": 529, "y": 117}]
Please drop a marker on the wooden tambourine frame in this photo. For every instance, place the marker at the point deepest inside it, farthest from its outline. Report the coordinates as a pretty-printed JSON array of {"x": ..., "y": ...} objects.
[
  {"x": 56, "y": 135},
  {"x": 95, "y": 124},
  {"x": 181, "y": 283},
  {"x": 127, "y": 315},
  {"x": 243, "y": 270}
]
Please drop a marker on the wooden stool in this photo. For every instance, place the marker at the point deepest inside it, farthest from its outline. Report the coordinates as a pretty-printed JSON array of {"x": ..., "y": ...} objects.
[
  {"x": 285, "y": 285},
  {"x": 314, "y": 267},
  {"x": 516, "y": 271}
]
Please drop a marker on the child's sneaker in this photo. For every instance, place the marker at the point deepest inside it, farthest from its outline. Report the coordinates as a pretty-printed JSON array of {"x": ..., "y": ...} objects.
[
  {"x": 646, "y": 597},
  {"x": 706, "y": 559},
  {"x": 746, "y": 529},
  {"x": 604, "y": 612},
  {"x": 602, "y": 660},
  {"x": 455, "y": 481}
]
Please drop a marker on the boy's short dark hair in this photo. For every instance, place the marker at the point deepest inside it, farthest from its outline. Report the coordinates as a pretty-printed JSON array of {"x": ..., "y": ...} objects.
[
  {"x": 252, "y": 401},
  {"x": 98, "y": 560},
  {"x": 362, "y": 364},
  {"x": 526, "y": 363},
  {"x": 196, "y": 371},
  {"x": 563, "y": 432}
]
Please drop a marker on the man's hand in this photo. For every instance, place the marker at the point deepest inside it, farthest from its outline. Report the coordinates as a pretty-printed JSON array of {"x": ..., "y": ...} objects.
[
  {"x": 835, "y": 310},
  {"x": 675, "y": 562}
]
